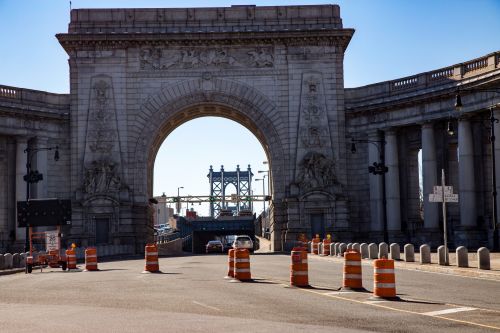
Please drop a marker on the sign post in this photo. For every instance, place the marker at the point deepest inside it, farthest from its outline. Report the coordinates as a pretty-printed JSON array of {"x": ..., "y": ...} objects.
[{"x": 444, "y": 194}]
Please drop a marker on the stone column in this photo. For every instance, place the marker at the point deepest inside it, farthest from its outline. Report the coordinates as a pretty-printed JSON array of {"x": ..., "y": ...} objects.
[
  {"x": 40, "y": 162},
  {"x": 392, "y": 182},
  {"x": 429, "y": 174},
  {"x": 466, "y": 181},
  {"x": 21, "y": 158},
  {"x": 376, "y": 203}
]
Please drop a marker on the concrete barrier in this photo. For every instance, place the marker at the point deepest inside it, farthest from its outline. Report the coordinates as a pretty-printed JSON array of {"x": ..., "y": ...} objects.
[
  {"x": 349, "y": 246},
  {"x": 383, "y": 250},
  {"x": 462, "y": 256},
  {"x": 15, "y": 260},
  {"x": 363, "y": 248},
  {"x": 342, "y": 249},
  {"x": 309, "y": 247},
  {"x": 394, "y": 252},
  {"x": 7, "y": 260},
  {"x": 409, "y": 253},
  {"x": 320, "y": 248},
  {"x": 425, "y": 254},
  {"x": 2, "y": 262},
  {"x": 332, "y": 249},
  {"x": 373, "y": 251},
  {"x": 483, "y": 258},
  {"x": 443, "y": 256},
  {"x": 170, "y": 248},
  {"x": 356, "y": 247}
]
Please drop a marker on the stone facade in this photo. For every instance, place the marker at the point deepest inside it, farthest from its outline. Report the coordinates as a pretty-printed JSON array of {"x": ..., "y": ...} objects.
[{"x": 137, "y": 74}]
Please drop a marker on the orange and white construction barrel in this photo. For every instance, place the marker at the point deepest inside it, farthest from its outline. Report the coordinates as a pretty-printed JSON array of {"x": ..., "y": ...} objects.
[
  {"x": 326, "y": 246},
  {"x": 151, "y": 257},
  {"x": 71, "y": 259},
  {"x": 242, "y": 265},
  {"x": 384, "y": 279},
  {"x": 315, "y": 244},
  {"x": 299, "y": 275},
  {"x": 230, "y": 263},
  {"x": 91, "y": 259},
  {"x": 352, "y": 270}
]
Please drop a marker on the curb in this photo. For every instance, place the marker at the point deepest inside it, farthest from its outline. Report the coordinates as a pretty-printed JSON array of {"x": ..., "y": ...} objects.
[{"x": 11, "y": 271}]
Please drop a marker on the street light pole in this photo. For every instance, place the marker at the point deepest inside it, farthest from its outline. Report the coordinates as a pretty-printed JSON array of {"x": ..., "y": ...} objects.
[
  {"x": 33, "y": 177},
  {"x": 377, "y": 169},
  {"x": 178, "y": 207}
]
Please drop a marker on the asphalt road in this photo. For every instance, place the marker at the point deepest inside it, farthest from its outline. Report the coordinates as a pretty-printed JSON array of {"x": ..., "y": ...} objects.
[{"x": 192, "y": 295}]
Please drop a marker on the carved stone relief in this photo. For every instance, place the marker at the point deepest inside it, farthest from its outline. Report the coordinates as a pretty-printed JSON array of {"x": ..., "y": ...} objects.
[
  {"x": 315, "y": 166},
  {"x": 101, "y": 177},
  {"x": 192, "y": 58},
  {"x": 102, "y": 160},
  {"x": 315, "y": 171}
]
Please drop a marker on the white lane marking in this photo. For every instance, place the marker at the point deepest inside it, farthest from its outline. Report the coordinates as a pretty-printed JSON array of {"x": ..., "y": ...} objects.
[
  {"x": 207, "y": 306},
  {"x": 448, "y": 311}
]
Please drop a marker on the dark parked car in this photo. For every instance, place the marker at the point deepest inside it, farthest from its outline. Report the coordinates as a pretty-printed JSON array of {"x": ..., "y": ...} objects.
[{"x": 214, "y": 246}]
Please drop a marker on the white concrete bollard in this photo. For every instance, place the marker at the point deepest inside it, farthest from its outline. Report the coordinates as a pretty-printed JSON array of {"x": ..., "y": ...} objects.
[
  {"x": 383, "y": 250},
  {"x": 373, "y": 251},
  {"x": 395, "y": 252},
  {"x": 363, "y": 247},
  {"x": 462, "y": 256},
  {"x": 7, "y": 260},
  {"x": 483, "y": 258},
  {"x": 320, "y": 248},
  {"x": 309, "y": 247},
  {"x": 22, "y": 260},
  {"x": 342, "y": 249},
  {"x": 409, "y": 253},
  {"x": 425, "y": 254},
  {"x": 349, "y": 246},
  {"x": 337, "y": 249},
  {"x": 15, "y": 260},
  {"x": 356, "y": 247},
  {"x": 332, "y": 249},
  {"x": 443, "y": 256}
]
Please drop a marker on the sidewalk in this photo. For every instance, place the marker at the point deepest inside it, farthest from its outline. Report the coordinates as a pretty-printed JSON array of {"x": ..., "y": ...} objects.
[{"x": 452, "y": 269}]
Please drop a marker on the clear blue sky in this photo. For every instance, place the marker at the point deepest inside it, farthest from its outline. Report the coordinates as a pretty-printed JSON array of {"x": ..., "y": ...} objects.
[{"x": 393, "y": 38}]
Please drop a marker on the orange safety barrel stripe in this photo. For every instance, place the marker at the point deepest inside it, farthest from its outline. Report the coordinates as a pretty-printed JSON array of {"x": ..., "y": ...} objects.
[
  {"x": 326, "y": 246},
  {"x": 384, "y": 279}
]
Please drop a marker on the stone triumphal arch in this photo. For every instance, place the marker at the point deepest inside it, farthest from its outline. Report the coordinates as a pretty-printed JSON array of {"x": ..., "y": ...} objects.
[{"x": 137, "y": 74}]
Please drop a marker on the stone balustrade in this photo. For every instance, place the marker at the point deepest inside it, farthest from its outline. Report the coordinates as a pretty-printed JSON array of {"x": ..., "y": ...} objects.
[{"x": 379, "y": 92}]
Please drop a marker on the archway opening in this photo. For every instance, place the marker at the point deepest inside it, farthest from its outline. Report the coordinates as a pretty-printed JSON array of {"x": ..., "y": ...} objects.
[{"x": 182, "y": 170}]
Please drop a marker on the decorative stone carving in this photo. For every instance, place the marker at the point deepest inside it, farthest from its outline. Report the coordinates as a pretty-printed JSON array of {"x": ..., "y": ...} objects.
[
  {"x": 193, "y": 58},
  {"x": 102, "y": 160},
  {"x": 101, "y": 177},
  {"x": 316, "y": 171}
]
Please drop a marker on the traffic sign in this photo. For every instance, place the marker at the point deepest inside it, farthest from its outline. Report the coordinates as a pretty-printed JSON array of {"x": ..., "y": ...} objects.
[{"x": 439, "y": 190}]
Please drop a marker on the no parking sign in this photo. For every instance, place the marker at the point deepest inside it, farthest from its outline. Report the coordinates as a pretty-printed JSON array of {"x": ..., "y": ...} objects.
[{"x": 52, "y": 241}]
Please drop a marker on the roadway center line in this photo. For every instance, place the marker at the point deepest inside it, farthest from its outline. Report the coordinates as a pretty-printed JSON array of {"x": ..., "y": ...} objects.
[
  {"x": 447, "y": 311},
  {"x": 207, "y": 306}
]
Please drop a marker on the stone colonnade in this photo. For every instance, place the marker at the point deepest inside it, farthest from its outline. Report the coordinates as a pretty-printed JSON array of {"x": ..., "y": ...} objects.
[{"x": 432, "y": 146}]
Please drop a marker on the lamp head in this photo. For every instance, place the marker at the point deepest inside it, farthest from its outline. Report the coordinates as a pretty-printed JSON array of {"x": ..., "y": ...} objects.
[{"x": 450, "y": 129}]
